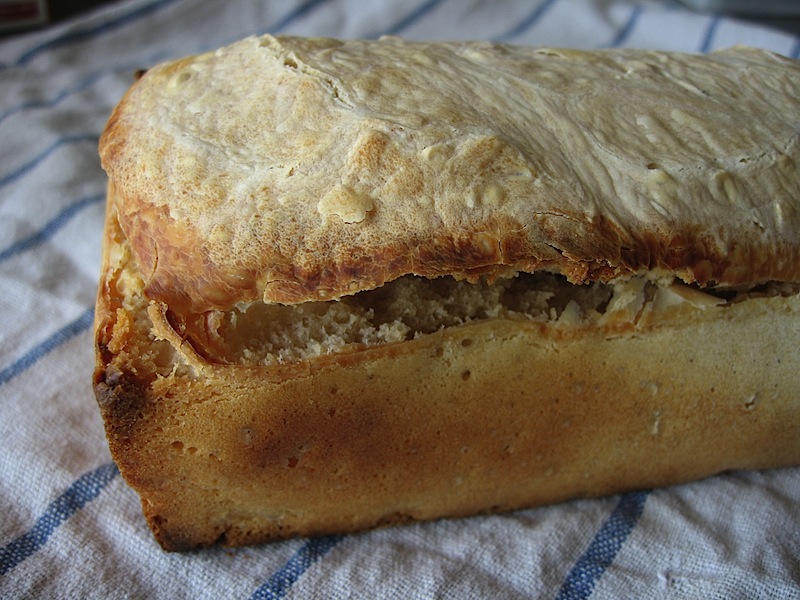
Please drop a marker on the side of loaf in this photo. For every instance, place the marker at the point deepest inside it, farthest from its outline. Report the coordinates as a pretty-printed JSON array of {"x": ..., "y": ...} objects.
[{"x": 490, "y": 415}]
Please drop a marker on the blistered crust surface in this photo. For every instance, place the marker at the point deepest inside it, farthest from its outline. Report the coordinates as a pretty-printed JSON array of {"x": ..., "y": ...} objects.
[{"x": 289, "y": 169}]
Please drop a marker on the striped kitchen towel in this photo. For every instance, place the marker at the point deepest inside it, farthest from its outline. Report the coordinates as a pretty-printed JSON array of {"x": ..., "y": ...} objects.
[{"x": 69, "y": 525}]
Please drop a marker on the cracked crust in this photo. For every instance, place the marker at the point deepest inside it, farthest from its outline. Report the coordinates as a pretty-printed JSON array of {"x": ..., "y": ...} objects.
[{"x": 289, "y": 169}]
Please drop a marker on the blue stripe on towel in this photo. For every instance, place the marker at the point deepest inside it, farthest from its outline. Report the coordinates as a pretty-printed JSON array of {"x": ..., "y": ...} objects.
[
  {"x": 79, "y": 86},
  {"x": 419, "y": 12},
  {"x": 603, "y": 549},
  {"x": 30, "y": 165},
  {"x": 30, "y": 358},
  {"x": 708, "y": 38},
  {"x": 85, "y": 489},
  {"x": 51, "y": 227},
  {"x": 624, "y": 33},
  {"x": 527, "y": 22},
  {"x": 80, "y": 35},
  {"x": 284, "y": 578}
]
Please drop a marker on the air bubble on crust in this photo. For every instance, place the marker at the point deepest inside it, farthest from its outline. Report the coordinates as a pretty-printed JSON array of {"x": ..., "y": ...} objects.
[
  {"x": 656, "y": 427},
  {"x": 751, "y": 401},
  {"x": 246, "y": 435}
]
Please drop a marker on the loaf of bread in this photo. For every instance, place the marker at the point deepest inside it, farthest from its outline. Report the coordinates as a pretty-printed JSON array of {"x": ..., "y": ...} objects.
[{"x": 352, "y": 284}]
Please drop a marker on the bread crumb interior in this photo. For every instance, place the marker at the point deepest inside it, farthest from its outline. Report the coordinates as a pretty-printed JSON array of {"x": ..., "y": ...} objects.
[
  {"x": 404, "y": 309},
  {"x": 412, "y": 306}
]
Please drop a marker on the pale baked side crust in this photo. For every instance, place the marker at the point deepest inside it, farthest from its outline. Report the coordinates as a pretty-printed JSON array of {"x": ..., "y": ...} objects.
[
  {"x": 491, "y": 416},
  {"x": 289, "y": 169}
]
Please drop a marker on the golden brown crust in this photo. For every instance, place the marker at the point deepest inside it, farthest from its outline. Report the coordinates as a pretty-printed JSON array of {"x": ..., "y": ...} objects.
[
  {"x": 288, "y": 169},
  {"x": 445, "y": 425}
]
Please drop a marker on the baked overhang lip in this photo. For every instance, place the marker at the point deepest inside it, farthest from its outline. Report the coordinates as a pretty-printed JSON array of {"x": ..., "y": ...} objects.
[{"x": 339, "y": 190}]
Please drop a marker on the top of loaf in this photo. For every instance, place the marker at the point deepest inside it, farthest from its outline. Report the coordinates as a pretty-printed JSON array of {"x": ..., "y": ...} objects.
[{"x": 296, "y": 169}]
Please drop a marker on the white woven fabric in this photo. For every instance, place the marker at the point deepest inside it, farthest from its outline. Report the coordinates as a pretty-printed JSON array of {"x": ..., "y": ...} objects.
[{"x": 69, "y": 525}]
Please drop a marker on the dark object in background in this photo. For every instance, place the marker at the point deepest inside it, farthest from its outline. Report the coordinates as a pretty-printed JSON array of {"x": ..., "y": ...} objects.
[
  {"x": 753, "y": 8},
  {"x": 777, "y": 14},
  {"x": 22, "y": 15}
]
